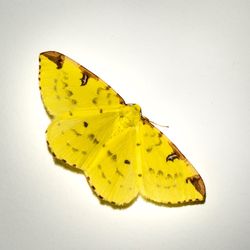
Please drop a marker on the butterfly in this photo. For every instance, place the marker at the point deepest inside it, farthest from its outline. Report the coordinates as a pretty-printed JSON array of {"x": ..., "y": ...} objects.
[{"x": 122, "y": 154}]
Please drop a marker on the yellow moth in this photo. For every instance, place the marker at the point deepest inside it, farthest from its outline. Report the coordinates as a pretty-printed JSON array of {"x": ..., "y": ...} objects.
[{"x": 120, "y": 152}]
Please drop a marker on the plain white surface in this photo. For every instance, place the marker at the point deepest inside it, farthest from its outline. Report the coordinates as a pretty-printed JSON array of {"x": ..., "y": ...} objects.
[{"x": 186, "y": 63}]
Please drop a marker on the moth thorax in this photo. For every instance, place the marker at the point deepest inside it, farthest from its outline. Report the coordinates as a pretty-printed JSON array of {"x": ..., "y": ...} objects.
[{"x": 130, "y": 115}]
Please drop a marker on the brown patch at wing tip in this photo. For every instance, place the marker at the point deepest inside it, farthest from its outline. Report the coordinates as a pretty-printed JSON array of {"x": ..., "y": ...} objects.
[
  {"x": 198, "y": 183},
  {"x": 55, "y": 57}
]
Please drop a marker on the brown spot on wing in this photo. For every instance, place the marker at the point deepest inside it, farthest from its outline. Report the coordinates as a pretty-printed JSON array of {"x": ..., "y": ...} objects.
[
  {"x": 159, "y": 172},
  {"x": 68, "y": 93},
  {"x": 172, "y": 157},
  {"x": 86, "y": 72},
  {"x": 55, "y": 57},
  {"x": 85, "y": 124},
  {"x": 73, "y": 101},
  {"x": 114, "y": 157},
  {"x": 84, "y": 79},
  {"x": 149, "y": 149},
  {"x": 119, "y": 173},
  {"x": 127, "y": 162},
  {"x": 94, "y": 100},
  {"x": 91, "y": 136},
  {"x": 109, "y": 153},
  {"x": 76, "y": 132},
  {"x": 96, "y": 141},
  {"x": 151, "y": 170}
]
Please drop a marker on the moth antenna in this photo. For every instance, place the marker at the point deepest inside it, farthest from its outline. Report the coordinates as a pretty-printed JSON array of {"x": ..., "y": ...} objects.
[{"x": 160, "y": 125}]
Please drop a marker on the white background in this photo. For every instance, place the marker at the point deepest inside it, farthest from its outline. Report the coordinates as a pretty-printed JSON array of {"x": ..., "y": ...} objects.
[{"x": 186, "y": 63}]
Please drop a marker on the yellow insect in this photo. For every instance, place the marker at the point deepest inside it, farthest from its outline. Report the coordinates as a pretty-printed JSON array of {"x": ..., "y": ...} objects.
[{"x": 120, "y": 152}]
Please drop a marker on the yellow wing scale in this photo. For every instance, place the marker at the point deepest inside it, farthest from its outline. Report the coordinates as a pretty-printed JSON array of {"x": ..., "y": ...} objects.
[{"x": 121, "y": 153}]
